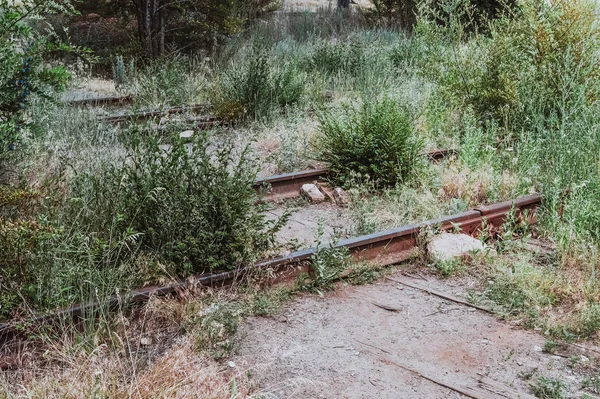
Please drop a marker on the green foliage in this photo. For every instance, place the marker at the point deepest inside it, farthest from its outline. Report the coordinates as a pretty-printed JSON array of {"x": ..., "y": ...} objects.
[
  {"x": 532, "y": 62},
  {"x": 123, "y": 74},
  {"x": 549, "y": 388},
  {"x": 194, "y": 206},
  {"x": 214, "y": 328},
  {"x": 158, "y": 213},
  {"x": 23, "y": 62},
  {"x": 377, "y": 141},
  {"x": 327, "y": 262},
  {"x": 167, "y": 82},
  {"x": 253, "y": 87}
]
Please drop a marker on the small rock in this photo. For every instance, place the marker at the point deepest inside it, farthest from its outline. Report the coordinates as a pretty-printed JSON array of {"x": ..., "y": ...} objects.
[
  {"x": 447, "y": 247},
  {"x": 584, "y": 359},
  {"x": 556, "y": 357},
  {"x": 340, "y": 196},
  {"x": 312, "y": 193},
  {"x": 519, "y": 363},
  {"x": 145, "y": 341},
  {"x": 231, "y": 364},
  {"x": 485, "y": 341},
  {"x": 537, "y": 348},
  {"x": 186, "y": 134}
]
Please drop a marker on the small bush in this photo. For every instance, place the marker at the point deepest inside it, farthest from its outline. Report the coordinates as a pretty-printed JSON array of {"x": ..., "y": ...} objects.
[
  {"x": 167, "y": 82},
  {"x": 549, "y": 388},
  {"x": 194, "y": 206},
  {"x": 376, "y": 140},
  {"x": 254, "y": 86},
  {"x": 156, "y": 214}
]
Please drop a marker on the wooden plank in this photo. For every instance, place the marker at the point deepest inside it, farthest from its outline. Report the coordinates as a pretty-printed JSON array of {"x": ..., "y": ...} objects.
[
  {"x": 501, "y": 389},
  {"x": 470, "y": 392},
  {"x": 439, "y": 294}
]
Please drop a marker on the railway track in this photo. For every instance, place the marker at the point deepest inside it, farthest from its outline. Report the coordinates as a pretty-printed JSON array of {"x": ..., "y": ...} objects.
[
  {"x": 287, "y": 185},
  {"x": 101, "y": 100},
  {"x": 383, "y": 248}
]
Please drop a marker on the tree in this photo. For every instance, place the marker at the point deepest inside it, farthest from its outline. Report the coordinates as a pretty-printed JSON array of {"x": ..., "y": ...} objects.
[
  {"x": 183, "y": 24},
  {"x": 23, "y": 51}
]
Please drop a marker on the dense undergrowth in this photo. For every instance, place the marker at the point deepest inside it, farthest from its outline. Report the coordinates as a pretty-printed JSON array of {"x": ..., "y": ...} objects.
[{"x": 95, "y": 209}]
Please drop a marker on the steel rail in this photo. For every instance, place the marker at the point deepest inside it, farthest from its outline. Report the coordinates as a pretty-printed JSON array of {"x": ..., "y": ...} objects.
[
  {"x": 104, "y": 100},
  {"x": 115, "y": 119},
  {"x": 287, "y": 185}
]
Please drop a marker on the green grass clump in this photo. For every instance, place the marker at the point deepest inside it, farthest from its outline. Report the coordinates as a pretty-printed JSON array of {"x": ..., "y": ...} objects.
[
  {"x": 254, "y": 86},
  {"x": 549, "y": 388},
  {"x": 376, "y": 141},
  {"x": 168, "y": 82}
]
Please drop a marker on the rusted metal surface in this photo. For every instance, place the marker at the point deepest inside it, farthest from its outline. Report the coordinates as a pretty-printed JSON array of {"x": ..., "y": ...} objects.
[
  {"x": 384, "y": 248},
  {"x": 135, "y": 116},
  {"x": 287, "y": 185},
  {"x": 107, "y": 100}
]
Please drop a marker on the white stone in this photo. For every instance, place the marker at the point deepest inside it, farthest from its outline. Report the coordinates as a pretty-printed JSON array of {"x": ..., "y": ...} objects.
[
  {"x": 340, "y": 196},
  {"x": 312, "y": 193},
  {"x": 186, "y": 134},
  {"x": 446, "y": 246}
]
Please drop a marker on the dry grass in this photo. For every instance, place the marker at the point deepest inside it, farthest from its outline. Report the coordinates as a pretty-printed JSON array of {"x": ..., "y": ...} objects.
[{"x": 147, "y": 355}]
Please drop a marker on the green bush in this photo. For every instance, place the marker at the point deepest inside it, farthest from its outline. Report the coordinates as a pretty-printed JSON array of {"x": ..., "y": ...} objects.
[
  {"x": 193, "y": 206},
  {"x": 533, "y": 63},
  {"x": 254, "y": 86},
  {"x": 376, "y": 141},
  {"x": 157, "y": 213},
  {"x": 24, "y": 67},
  {"x": 167, "y": 82}
]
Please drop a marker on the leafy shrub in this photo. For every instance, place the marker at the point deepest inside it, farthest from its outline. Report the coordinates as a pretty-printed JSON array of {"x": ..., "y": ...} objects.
[
  {"x": 549, "y": 388},
  {"x": 533, "y": 63},
  {"x": 343, "y": 57},
  {"x": 23, "y": 65},
  {"x": 158, "y": 213},
  {"x": 376, "y": 140},
  {"x": 194, "y": 206},
  {"x": 254, "y": 86}
]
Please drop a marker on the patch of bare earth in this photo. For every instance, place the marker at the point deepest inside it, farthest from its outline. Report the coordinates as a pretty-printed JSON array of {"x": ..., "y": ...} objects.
[{"x": 346, "y": 345}]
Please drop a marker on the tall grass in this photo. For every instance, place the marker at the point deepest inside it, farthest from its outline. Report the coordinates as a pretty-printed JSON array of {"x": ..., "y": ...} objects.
[{"x": 150, "y": 215}]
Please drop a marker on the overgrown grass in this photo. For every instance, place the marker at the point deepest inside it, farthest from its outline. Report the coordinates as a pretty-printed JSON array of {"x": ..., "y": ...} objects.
[{"x": 153, "y": 214}]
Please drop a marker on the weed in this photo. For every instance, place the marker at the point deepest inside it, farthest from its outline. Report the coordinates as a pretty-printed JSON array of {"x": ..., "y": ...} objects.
[
  {"x": 214, "y": 329},
  {"x": 550, "y": 346},
  {"x": 253, "y": 87},
  {"x": 327, "y": 262},
  {"x": 592, "y": 384},
  {"x": 449, "y": 267},
  {"x": 377, "y": 141},
  {"x": 549, "y": 388},
  {"x": 169, "y": 82}
]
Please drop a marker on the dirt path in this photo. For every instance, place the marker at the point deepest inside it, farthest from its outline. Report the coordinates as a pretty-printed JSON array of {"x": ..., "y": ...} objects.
[{"x": 345, "y": 346}]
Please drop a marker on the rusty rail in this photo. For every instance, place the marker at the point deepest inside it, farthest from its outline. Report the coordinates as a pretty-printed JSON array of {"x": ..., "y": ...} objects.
[
  {"x": 104, "y": 100},
  {"x": 134, "y": 116},
  {"x": 287, "y": 185}
]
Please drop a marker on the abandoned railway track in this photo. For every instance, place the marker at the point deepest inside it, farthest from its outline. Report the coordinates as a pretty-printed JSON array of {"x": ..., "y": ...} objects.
[{"x": 383, "y": 248}]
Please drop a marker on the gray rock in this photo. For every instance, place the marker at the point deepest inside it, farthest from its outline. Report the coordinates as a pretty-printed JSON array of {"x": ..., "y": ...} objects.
[
  {"x": 312, "y": 193},
  {"x": 188, "y": 134},
  {"x": 447, "y": 247},
  {"x": 340, "y": 196}
]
